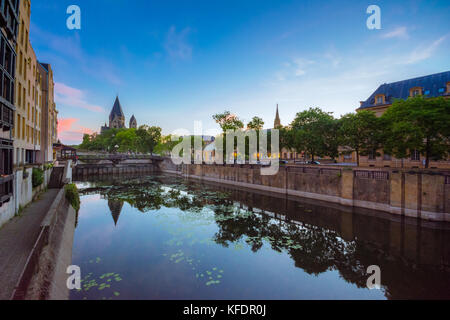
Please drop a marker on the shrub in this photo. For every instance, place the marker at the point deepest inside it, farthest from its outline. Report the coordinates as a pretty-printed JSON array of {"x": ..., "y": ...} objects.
[
  {"x": 38, "y": 177},
  {"x": 48, "y": 166},
  {"x": 72, "y": 196}
]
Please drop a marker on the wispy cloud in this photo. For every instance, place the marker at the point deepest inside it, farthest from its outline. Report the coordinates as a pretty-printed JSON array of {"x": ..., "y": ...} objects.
[
  {"x": 424, "y": 52},
  {"x": 69, "y": 49},
  {"x": 399, "y": 32},
  {"x": 70, "y": 132},
  {"x": 177, "y": 45},
  {"x": 73, "y": 97}
]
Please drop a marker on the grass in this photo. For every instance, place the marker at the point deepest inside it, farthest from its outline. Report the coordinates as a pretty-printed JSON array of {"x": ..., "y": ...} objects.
[{"x": 73, "y": 196}]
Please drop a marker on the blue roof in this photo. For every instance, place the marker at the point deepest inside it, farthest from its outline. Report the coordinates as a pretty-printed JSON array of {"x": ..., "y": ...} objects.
[{"x": 400, "y": 89}]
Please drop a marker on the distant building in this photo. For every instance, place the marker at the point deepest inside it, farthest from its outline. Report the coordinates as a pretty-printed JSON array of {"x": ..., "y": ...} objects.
[
  {"x": 277, "y": 122},
  {"x": 117, "y": 118},
  {"x": 434, "y": 85},
  {"x": 49, "y": 119},
  {"x": 133, "y": 122}
]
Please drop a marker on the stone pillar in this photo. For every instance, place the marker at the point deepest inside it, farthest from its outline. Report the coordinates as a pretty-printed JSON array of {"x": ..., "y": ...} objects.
[
  {"x": 397, "y": 193},
  {"x": 412, "y": 196},
  {"x": 347, "y": 187}
]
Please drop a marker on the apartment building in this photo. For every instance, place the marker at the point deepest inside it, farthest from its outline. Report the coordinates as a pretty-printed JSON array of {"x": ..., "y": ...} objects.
[
  {"x": 49, "y": 124},
  {"x": 9, "y": 26},
  {"x": 27, "y": 132}
]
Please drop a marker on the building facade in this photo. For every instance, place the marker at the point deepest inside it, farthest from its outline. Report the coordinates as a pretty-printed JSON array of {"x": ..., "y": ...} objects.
[
  {"x": 434, "y": 85},
  {"x": 117, "y": 118},
  {"x": 27, "y": 131},
  {"x": 133, "y": 122},
  {"x": 49, "y": 119},
  {"x": 9, "y": 27}
]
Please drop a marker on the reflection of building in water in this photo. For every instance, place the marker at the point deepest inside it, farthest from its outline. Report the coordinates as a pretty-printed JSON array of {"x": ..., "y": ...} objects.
[{"x": 116, "y": 208}]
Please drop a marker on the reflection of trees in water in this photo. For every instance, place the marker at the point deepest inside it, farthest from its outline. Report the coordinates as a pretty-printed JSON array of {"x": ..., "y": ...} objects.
[{"x": 314, "y": 248}]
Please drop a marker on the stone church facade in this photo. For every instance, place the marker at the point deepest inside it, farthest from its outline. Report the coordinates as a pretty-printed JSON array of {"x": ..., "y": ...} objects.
[{"x": 117, "y": 118}]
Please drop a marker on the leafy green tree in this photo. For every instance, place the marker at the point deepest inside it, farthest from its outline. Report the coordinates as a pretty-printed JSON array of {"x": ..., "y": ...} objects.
[
  {"x": 126, "y": 140},
  {"x": 310, "y": 132},
  {"x": 420, "y": 124},
  {"x": 148, "y": 138},
  {"x": 360, "y": 132},
  {"x": 255, "y": 124},
  {"x": 228, "y": 121}
]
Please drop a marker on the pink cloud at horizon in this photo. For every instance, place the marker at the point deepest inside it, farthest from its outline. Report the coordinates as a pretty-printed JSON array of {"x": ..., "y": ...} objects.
[
  {"x": 70, "y": 132},
  {"x": 73, "y": 97}
]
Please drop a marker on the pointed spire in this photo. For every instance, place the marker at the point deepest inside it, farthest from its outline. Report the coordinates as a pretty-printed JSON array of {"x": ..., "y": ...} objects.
[
  {"x": 277, "y": 122},
  {"x": 116, "y": 110}
]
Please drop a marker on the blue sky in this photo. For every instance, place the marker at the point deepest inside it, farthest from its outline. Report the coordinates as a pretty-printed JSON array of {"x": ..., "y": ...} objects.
[{"x": 175, "y": 62}]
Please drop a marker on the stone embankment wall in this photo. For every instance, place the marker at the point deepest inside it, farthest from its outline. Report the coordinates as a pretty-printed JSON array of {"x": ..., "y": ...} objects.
[
  {"x": 420, "y": 194},
  {"x": 84, "y": 171}
]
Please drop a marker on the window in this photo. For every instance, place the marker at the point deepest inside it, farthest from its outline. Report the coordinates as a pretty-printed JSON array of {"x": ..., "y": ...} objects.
[
  {"x": 416, "y": 91},
  {"x": 387, "y": 157},
  {"x": 373, "y": 155},
  {"x": 379, "y": 100},
  {"x": 441, "y": 90},
  {"x": 415, "y": 155}
]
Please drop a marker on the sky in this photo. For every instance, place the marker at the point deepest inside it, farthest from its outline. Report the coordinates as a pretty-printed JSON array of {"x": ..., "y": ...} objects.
[{"x": 176, "y": 62}]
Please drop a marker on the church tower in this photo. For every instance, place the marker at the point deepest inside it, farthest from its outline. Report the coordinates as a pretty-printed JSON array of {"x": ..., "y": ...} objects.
[
  {"x": 133, "y": 122},
  {"x": 117, "y": 117},
  {"x": 277, "y": 122}
]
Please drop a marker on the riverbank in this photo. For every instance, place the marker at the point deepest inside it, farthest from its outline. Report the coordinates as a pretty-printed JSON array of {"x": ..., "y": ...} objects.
[{"x": 418, "y": 194}]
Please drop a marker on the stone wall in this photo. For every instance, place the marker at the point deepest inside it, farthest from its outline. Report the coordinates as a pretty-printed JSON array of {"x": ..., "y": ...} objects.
[
  {"x": 83, "y": 171},
  {"x": 420, "y": 194}
]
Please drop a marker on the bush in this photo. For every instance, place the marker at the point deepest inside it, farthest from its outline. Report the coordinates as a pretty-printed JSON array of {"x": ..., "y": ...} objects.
[
  {"x": 48, "y": 166},
  {"x": 73, "y": 196},
  {"x": 38, "y": 177}
]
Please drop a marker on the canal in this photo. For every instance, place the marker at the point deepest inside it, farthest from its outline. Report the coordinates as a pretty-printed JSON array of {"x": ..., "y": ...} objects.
[{"x": 164, "y": 237}]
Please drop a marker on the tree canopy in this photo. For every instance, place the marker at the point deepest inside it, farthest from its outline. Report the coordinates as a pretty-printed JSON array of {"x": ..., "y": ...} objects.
[
  {"x": 360, "y": 132},
  {"x": 418, "y": 124},
  {"x": 143, "y": 140}
]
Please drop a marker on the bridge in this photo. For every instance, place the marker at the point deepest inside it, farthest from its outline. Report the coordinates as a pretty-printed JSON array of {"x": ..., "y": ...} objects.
[{"x": 117, "y": 158}]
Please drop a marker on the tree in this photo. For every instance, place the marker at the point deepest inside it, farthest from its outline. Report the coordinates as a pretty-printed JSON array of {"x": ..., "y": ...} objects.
[
  {"x": 310, "y": 132},
  {"x": 126, "y": 140},
  {"x": 148, "y": 138},
  {"x": 255, "y": 124},
  {"x": 418, "y": 124},
  {"x": 360, "y": 132},
  {"x": 228, "y": 121}
]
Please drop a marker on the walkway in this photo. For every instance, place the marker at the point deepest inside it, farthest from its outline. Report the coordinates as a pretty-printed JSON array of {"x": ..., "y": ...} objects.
[{"x": 17, "y": 238}]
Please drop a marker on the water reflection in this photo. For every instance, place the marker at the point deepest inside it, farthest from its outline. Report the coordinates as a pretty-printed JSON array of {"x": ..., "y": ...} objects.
[{"x": 414, "y": 256}]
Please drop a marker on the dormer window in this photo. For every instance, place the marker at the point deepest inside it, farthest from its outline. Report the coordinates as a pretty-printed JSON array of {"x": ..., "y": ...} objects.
[
  {"x": 379, "y": 99},
  {"x": 416, "y": 91}
]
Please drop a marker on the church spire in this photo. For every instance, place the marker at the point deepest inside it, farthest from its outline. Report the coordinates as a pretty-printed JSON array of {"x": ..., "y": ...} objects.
[{"x": 277, "y": 122}]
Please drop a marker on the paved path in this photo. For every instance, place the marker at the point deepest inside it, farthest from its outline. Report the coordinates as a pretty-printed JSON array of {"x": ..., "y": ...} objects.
[{"x": 17, "y": 238}]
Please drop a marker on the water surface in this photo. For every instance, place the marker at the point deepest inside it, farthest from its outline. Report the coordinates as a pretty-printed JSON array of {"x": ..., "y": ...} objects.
[{"x": 164, "y": 237}]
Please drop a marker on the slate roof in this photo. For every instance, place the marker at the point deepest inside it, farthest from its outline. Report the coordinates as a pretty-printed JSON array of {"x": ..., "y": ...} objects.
[
  {"x": 116, "y": 110},
  {"x": 431, "y": 86}
]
